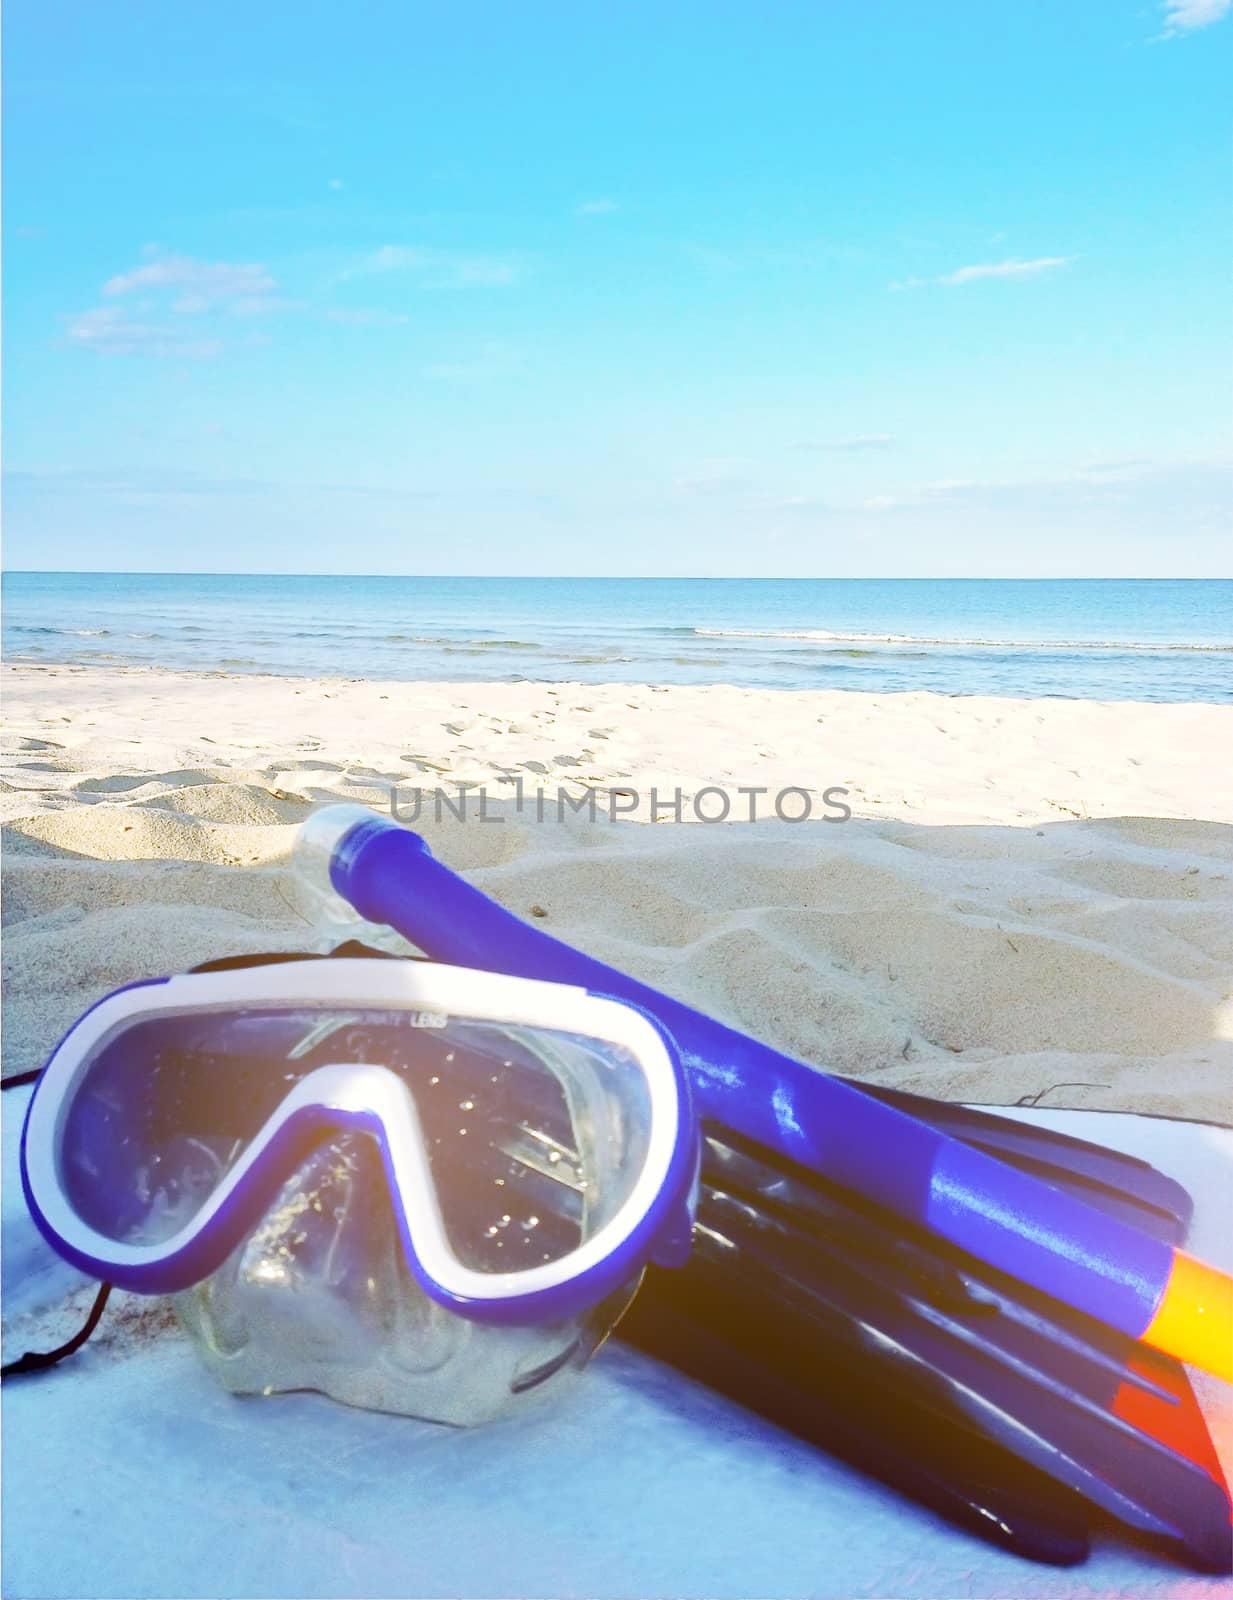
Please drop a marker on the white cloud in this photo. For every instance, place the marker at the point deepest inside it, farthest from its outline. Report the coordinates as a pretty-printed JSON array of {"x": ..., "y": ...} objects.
[
  {"x": 1187, "y": 16},
  {"x": 719, "y": 477},
  {"x": 858, "y": 442},
  {"x": 255, "y": 305},
  {"x": 810, "y": 256},
  {"x": 1123, "y": 467},
  {"x": 110, "y": 331},
  {"x": 596, "y": 208},
  {"x": 438, "y": 268},
  {"x": 367, "y": 317},
  {"x": 795, "y": 502},
  {"x": 146, "y": 484},
  {"x": 143, "y": 309},
  {"x": 203, "y": 284},
  {"x": 484, "y": 364},
  {"x": 1014, "y": 268},
  {"x": 1006, "y": 269},
  {"x": 1106, "y": 481}
]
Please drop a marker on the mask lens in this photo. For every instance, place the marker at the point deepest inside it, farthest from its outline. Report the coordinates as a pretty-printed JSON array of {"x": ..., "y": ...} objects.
[{"x": 534, "y": 1136}]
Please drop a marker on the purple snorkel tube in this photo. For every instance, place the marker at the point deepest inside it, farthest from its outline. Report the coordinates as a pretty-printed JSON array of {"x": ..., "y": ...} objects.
[{"x": 1091, "y": 1261}]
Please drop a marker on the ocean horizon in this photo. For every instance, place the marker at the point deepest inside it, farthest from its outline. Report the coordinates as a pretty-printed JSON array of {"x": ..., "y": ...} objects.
[{"x": 1105, "y": 639}]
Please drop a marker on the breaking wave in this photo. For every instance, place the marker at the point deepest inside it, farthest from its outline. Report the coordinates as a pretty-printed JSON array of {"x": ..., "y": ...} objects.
[{"x": 825, "y": 636}]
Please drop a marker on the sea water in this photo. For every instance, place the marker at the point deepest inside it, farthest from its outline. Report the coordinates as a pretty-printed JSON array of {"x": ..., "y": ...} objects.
[{"x": 1148, "y": 639}]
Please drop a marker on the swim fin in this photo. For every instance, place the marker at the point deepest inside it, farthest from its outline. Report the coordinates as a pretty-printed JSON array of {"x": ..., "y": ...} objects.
[
  {"x": 1011, "y": 1414},
  {"x": 1117, "y": 1183}
]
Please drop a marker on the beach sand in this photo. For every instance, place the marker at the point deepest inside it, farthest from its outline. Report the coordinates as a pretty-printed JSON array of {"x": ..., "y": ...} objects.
[{"x": 1032, "y": 901}]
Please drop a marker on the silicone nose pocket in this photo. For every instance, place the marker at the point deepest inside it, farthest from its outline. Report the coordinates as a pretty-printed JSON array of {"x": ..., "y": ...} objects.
[{"x": 319, "y": 1297}]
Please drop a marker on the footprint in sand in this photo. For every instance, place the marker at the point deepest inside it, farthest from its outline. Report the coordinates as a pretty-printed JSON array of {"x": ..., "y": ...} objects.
[
  {"x": 114, "y": 785},
  {"x": 121, "y": 783}
]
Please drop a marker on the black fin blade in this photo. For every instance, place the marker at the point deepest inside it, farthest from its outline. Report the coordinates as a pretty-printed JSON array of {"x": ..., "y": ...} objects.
[{"x": 999, "y": 1407}]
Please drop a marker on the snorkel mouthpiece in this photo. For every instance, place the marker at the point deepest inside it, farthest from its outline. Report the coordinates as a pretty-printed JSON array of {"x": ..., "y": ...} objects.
[{"x": 328, "y": 848}]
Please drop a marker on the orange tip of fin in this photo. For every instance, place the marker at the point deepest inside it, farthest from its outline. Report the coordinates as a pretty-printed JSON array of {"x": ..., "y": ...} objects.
[{"x": 1194, "y": 1320}]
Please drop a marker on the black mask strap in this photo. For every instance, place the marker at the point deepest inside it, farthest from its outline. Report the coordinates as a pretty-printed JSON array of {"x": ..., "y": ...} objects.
[{"x": 37, "y": 1360}]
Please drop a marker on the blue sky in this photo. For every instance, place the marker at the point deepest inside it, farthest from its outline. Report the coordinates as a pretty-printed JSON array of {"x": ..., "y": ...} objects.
[{"x": 811, "y": 289}]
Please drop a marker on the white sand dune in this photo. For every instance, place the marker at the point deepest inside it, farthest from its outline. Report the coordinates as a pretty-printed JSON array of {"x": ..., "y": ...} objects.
[{"x": 1033, "y": 900}]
